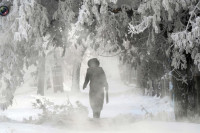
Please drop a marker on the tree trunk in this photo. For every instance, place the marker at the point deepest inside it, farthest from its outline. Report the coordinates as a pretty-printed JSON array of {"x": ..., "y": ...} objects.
[
  {"x": 76, "y": 73},
  {"x": 41, "y": 75},
  {"x": 162, "y": 87},
  {"x": 180, "y": 97},
  {"x": 183, "y": 91},
  {"x": 142, "y": 77},
  {"x": 197, "y": 96},
  {"x": 76, "y": 77}
]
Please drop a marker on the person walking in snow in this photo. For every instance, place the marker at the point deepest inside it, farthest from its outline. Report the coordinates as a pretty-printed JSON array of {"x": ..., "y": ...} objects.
[{"x": 98, "y": 82}]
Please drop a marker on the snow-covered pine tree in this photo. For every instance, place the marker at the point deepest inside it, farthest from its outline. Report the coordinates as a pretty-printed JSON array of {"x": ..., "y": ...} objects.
[
  {"x": 65, "y": 16},
  {"x": 186, "y": 54},
  {"x": 21, "y": 43},
  {"x": 172, "y": 17}
]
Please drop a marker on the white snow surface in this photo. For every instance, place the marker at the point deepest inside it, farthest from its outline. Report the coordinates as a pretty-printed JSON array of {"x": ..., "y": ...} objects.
[
  {"x": 126, "y": 100},
  {"x": 137, "y": 127},
  {"x": 123, "y": 114}
]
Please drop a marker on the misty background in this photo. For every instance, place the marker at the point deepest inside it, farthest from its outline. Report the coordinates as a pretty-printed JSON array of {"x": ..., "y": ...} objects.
[{"x": 149, "y": 50}]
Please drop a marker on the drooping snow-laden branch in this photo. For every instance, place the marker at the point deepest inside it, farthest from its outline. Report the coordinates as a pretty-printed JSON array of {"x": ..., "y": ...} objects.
[
  {"x": 21, "y": 39},
  {"x": 141, "y": 27},
  {"x": 154, "y": 10},
  {"x": 192, "y": 14},
  {"x": 187, "y": 41}
]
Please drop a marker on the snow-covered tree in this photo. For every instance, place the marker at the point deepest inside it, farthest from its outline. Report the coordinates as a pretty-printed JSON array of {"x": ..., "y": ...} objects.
[
  {"x": 92, "y": 20},
  {"x": 21, "y": 43},
  {"x": 177, "y": 22}
]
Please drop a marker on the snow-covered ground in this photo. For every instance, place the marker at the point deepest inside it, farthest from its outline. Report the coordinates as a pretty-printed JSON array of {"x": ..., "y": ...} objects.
[
  {"x": 123, "y": 114},
  {"x": 126, "y": 100},
  {"x": 137, "y": 127}
]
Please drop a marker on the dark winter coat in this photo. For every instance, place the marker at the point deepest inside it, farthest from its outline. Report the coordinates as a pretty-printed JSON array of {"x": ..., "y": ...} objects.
[{"x": 98, "y": 82}]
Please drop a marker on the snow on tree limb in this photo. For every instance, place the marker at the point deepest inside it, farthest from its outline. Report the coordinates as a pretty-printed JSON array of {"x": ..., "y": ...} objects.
[
  {"x": 21, "y": 40},
  {"x": 188, "y": 40},
  {"x": 141, "y": 27}
]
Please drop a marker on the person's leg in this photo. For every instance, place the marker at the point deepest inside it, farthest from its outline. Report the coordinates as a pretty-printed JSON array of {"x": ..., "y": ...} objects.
[
  {"x": 98, "y": 114},
  {"x": 95, "y": 114}
]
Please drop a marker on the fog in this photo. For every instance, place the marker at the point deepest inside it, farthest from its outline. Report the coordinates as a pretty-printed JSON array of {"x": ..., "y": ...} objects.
[{"x": 99, "y": 66}]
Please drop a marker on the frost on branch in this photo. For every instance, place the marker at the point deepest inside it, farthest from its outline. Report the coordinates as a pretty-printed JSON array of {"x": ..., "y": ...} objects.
[
  {"x": 188, "y": 40},
  {"x": 58, "y": 114},
  {"x": 64, "y": 12},
  {"x": 171, "y": 6},
  {"x": 26, "y": 21},
  {"x": 151, "y": 5},
  {"x": 141, "y": 27},
  {"x": 154, "y": 9},
  {"x": 179, "y": 60},
  {"x": 31, "y": 20}
]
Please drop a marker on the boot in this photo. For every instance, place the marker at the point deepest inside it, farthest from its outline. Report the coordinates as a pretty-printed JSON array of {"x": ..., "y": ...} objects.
[{"x": 96, "y": 114}]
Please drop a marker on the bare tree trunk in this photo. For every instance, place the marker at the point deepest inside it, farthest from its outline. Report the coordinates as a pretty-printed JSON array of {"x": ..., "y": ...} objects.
[
  {"x": 41, "y": 75},
  {"x": 76, "y": 77},
  {"x": 197, "y": 87},
  {"x": 181, "y": 97},
  {"x": 76, "y": 73}
]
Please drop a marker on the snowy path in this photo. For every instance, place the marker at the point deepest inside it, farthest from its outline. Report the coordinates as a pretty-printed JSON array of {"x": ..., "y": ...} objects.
[
  {"x": 123, "y": 114},
  {"x": 123, "y": 100},
  {"x": 137, "y": 127},
  {"x": 128, "y": 100}
]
